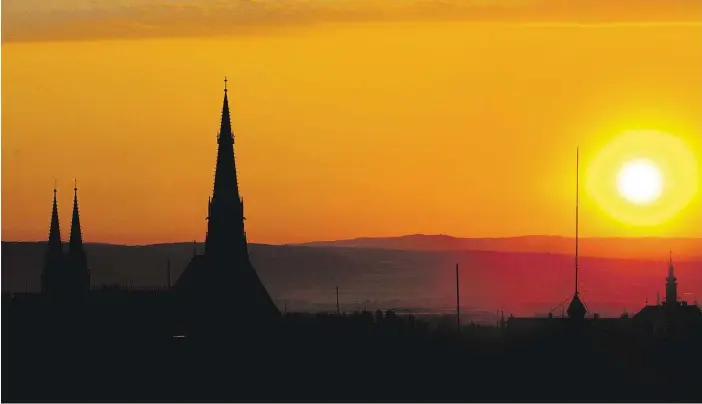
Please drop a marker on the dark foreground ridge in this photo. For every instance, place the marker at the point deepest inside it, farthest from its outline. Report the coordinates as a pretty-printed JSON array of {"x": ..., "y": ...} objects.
[{"x": 60, "y": 356}]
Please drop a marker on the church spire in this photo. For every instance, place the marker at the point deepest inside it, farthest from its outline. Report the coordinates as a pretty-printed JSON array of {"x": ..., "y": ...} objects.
[
  {"x": 671, "y": 287},
  {"x": 54, "y": 228},
  {"x": 77, "y": 260},
  {"x": 223, "y": 276},
  {"x": 53, "y": 257},
  {"x": 76, "y": 240},
  {"x": 225, "y": 227}
]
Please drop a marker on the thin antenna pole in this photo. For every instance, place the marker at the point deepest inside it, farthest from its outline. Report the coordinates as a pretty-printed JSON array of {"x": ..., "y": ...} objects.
[
  {"x": 338, "y": 312},
  {"x": 458, "y": 304},
  {"x": 577, "y": 216},
  {"x": 168, "y": 273}
]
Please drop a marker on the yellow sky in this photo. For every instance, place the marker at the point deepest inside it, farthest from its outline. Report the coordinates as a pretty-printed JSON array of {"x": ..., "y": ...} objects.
[{"x": 343, "y": 129}]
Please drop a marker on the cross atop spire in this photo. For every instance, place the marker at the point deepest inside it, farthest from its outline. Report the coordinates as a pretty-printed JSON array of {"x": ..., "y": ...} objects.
[{"x": 225, "y": 84}]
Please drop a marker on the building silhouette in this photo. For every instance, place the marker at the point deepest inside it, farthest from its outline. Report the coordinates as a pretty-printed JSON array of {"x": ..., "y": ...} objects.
[
  {"x": 222, "y": 281},
  {"x": 65, "y": 275},
  {"x": 672, "y": 317}
]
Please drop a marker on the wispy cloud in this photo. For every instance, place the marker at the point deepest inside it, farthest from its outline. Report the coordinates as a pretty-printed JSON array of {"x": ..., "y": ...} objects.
[{"x": 42, "y": 20}]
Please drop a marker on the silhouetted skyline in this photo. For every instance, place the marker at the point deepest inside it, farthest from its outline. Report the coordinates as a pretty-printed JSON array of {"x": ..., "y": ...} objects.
[
  {"x": 558, "y": 144},
  {"x": 219, "y": 310}
]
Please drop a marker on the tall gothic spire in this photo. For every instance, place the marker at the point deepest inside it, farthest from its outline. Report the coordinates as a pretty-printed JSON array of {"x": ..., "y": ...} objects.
[
  {"x": 223, "y": 280},
  {"x": 76, "y": 240},
  {"x": 225, "y": 227}
]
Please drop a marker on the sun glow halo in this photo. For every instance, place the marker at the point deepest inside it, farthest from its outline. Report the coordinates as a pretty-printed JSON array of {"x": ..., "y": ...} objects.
[
  {"x": 643, "y": 177},
  {"x": 640, "y": 182}
]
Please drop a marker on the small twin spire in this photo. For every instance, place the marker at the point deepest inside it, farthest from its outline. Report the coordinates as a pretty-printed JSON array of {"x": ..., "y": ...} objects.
[
  {"x": 75, "y": 238},
  {"x": 54, "y": 228}
]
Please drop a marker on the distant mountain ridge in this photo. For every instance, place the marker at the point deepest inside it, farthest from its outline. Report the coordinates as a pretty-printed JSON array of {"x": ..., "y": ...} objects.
[
  {"x": 304, "y": 278},
  {"x": 654, "y": 248}
]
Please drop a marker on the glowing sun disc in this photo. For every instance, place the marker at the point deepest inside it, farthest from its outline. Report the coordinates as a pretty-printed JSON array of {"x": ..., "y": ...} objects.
[
  {"x": 640, "y": 182},
  {"x": 643, "y": 177}
]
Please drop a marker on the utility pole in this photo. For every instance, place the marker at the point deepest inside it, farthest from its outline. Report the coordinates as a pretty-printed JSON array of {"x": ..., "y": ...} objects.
[
  {"x": 458, "y": 304},
  {"x": 338, "y": 312},
  {"x": 168, "y": 273}
]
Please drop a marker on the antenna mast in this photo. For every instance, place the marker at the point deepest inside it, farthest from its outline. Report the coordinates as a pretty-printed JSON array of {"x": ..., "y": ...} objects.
[
  {"x": 458, "y": 304},
  {"x": 577, "y": 214},
  {"x": 168, "y": 273}
]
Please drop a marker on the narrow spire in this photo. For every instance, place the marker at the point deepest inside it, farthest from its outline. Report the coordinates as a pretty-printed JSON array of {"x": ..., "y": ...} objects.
[
  {"x": 76, "y": 237},
  {"x": 671, "y": 287},
  {"x": 225, "y": 225},
  {"x": 54, "y": 228}
]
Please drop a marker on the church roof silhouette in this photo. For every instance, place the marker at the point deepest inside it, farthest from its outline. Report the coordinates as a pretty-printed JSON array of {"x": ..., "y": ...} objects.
[{"x": 223, "y": 275}]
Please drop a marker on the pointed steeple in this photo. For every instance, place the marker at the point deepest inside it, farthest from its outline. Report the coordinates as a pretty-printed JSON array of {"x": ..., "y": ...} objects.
[
  {"x": 76, "y": 240},
  {"x": 671, "y": 287},
  {"x": 225, "y": 227},
  {"x": 223, "y": 276},
  {"x": 54, "y": 228},
  {"x": 52, "y": 270},
  {"x": 77, "y": 260}
]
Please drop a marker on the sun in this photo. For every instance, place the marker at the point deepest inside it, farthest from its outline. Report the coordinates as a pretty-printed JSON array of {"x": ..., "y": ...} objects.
[
  {"x": 643, "y": 178},
  {"x": 640, "y": 182}
]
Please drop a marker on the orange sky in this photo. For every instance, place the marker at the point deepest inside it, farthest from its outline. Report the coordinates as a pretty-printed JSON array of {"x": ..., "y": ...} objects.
[{"x": 350, "y": 120}]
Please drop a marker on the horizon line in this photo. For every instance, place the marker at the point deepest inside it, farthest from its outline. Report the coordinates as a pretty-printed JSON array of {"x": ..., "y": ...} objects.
[{"x": 301, "y": 243}]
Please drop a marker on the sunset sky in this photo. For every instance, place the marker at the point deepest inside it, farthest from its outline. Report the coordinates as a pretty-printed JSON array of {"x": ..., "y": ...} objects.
[{"x": 352, "y": 117}]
